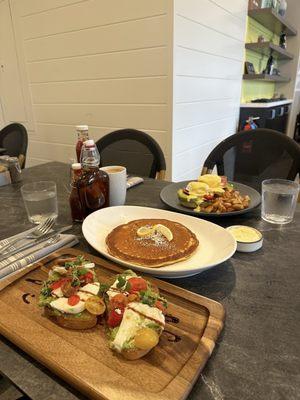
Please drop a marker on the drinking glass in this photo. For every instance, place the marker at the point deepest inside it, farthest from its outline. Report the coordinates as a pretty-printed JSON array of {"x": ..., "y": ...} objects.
[
  {"x": 40, "y": 200},
  {"x": 279, "y": 199}
]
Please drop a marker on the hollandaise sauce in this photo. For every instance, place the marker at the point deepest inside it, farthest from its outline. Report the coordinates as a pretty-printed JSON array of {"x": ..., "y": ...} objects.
[{"x": 245, "y": 234}]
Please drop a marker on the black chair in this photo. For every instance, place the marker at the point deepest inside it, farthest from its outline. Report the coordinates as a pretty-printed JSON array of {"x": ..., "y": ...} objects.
[
  {"x": 251, "y": 156},
  {"x": 14, "y": 139},
  {"x": 136, "y": 150},
  {"x": 297, "y": 129}
]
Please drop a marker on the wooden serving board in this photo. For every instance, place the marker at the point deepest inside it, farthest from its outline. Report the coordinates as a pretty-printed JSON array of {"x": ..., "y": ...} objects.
[{"x": 83, "y": 358}]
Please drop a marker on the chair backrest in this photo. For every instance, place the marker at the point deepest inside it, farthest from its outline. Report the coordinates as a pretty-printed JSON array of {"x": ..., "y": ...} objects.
[
  {"x": 136, "y": 150},
  {"x": 251, "y": 156},
  {"x": 14, "y": 139}
]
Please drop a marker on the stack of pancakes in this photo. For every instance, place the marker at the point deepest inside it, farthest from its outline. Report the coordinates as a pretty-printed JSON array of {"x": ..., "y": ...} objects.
[{"x": 124, "y": 243}]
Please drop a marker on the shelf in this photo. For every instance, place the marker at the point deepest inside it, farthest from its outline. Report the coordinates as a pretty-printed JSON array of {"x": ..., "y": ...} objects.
[
  {"x": 265, "y": 48},
  {"x": 266, "y": 77},
  {"x": 273, "y": 21}
]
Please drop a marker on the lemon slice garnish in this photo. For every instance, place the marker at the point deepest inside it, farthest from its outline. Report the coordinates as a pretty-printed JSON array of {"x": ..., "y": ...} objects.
[
  {"x": 163, "y": 230},
  {"x": 145, "y": 231},
  {"x": 150, "y": 231}
]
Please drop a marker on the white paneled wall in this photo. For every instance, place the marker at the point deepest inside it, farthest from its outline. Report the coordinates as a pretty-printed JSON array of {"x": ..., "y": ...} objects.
[
  {"x": 208, "y": 63},
  {"x": 172, "y": 68},
  {"x": 96, "y": 62}
]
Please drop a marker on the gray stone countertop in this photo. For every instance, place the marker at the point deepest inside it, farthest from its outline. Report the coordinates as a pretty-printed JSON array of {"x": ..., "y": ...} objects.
[{"x": 257, "y": 355}]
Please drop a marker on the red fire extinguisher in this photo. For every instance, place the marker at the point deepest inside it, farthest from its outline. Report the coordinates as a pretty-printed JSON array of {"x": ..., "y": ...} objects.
[{"x": 250, "y": 124}]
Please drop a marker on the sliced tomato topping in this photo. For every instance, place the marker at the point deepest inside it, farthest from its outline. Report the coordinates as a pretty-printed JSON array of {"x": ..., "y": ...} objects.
[
  {"x": 119, "y": 300},
  {"x": 115, "y": 317},
  {"x": 160, "y": 306},
  {"x": 59, "y": 283},
  {"x": 88, "y": 277},
  {"x": 208, "y": 196},
  {"x": 137, "y": 284},
  {"x": 73, "y": 300}
]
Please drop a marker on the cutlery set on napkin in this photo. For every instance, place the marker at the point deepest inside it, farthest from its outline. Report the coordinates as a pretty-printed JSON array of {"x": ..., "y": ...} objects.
[{"x": 25, "y": 248}]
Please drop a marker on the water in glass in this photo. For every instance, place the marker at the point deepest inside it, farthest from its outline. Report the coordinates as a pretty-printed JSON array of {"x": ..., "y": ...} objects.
[
  {"x": 40, "y": 201},
  {"x": 279, "y": 199}
]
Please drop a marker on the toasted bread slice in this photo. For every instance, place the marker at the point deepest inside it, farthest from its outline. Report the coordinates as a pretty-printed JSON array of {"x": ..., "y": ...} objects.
[
  {"x": 85, "y": 321},
  {"x": 188, "y": 204},
  {"x": 134, "y": 354}
]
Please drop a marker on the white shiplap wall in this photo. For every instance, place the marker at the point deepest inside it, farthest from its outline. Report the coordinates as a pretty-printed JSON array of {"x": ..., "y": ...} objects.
[
  {"x": 172, "y": 68},
  {"x": 209, "y": 37},
  {"x": 95, "y": 62}
]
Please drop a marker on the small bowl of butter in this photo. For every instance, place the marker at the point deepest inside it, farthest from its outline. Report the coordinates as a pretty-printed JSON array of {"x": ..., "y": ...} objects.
[{"x": 248, "y": 239}]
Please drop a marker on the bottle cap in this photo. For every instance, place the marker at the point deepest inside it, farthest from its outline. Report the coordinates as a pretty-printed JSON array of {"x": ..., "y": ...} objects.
[
  {"x": 81, "y": 128},
  {"x": 89, "y": 143},
  {"x": 76, "y": 166}
]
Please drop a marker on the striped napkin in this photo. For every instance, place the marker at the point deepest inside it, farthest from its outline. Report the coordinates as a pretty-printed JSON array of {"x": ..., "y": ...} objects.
[{"x": 29, "y": 256}]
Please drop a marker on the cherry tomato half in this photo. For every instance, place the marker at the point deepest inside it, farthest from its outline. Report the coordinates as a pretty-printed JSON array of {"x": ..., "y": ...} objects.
[
  {"x": 88, "y": 277},
  {"x": 119, "y": 300},
  {"x": 137, "y": 284},
  {"x": 115, "y": 318},
  {"x": 160, "y": 306},
  {"x": 59, "y": 283},
  {"x": 73, "y": 300},
  {"x": 208, "y": 197}
]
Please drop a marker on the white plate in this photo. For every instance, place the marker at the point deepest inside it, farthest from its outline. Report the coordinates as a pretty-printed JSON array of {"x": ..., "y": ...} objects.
[{"x": 216, "y": 245}]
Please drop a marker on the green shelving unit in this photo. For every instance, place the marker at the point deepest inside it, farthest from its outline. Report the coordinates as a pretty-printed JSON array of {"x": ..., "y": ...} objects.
[
  {"x": 266, "y": 78},
  {"x": 265, "y": 48},
  {"x": 269, "y": 18}
]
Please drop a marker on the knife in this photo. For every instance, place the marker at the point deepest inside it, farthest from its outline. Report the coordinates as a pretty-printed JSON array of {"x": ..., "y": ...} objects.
[
  {"x": 22, "y": 261},
  {"x": 35, "y": 242}
]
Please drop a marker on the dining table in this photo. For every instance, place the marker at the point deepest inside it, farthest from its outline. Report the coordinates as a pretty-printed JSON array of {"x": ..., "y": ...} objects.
[{"x": 257, "y": 355}]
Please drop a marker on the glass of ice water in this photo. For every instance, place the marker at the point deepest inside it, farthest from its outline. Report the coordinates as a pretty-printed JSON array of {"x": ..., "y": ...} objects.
[
  {"x": 279, "y": 199},
  {"x": 40, "y": 200}
]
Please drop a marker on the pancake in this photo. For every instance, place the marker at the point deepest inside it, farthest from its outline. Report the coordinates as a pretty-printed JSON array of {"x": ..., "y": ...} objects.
[{"x": 124, "y": 243}]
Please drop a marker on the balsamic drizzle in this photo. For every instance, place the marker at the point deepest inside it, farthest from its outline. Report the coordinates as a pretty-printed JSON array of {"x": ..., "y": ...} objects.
[
  {"x": 172, "y": 337},
  {"x": 35, "y": 281},
  {"x": 171, "y": 318}
]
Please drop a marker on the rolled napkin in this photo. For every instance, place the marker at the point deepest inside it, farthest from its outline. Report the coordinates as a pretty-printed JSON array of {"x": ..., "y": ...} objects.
[
  {"x": 133, "y": 181},
  {"x": 33, "y": 254}
]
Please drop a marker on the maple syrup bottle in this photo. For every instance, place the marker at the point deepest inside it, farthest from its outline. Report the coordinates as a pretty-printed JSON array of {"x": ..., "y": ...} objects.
[
  {"x": 82, "y": 136},
  {"x": 74, "y": 200},
  {"x": 93, "y": 186}
]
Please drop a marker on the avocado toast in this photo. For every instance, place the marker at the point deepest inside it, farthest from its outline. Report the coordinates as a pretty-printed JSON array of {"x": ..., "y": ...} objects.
[
  {"x": 135, "y": 315},
  {"x": 72, "y": 295}
]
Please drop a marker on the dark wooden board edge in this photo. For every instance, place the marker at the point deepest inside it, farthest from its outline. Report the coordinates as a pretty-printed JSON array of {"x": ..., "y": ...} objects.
[{"x": 184, "y": 381}]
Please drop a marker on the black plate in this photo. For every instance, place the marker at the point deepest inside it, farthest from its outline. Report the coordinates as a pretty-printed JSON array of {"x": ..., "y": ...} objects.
[{"x": 169, "y": 196}]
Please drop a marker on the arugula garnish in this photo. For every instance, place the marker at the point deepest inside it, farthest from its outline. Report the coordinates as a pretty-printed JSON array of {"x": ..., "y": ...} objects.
[
  {"x": 148, "y": 297},
  {"x": 121, "y": 281},
  {"x": 103, "y": 288},
  {"x": 81, "y": 271},
  {"x": 46, "y": 290},
  {"x": 80, "y": 260}
]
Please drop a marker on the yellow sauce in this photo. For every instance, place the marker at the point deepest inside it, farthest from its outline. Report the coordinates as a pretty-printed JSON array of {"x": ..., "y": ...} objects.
[{"x": 245, "y": 234}]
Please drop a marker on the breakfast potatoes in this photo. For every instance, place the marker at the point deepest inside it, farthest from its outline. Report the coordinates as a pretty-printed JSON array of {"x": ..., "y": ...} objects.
[{"x": 231, "y": 200}]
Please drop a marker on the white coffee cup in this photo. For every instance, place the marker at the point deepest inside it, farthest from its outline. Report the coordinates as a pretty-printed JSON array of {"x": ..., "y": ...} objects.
[{"x": 117, "y": 184}]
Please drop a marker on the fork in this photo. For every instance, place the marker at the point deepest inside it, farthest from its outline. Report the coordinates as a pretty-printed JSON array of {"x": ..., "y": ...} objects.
[
  {"x": 26, "y": 261},
  {"x": 39, "y": 231}
]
